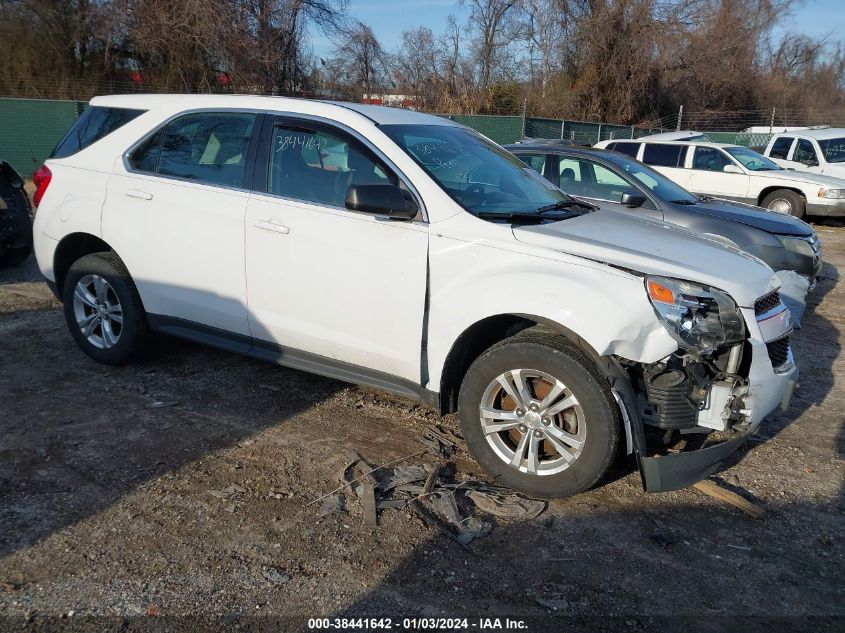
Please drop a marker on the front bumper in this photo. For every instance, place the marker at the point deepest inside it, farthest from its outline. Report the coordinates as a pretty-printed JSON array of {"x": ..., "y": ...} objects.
[
  {"x": 767, "y": 389},
  {"x": 836, "y": 209}
]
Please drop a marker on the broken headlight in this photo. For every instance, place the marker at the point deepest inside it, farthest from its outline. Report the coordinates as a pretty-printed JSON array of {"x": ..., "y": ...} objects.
[{"x": 700, "y": 318}]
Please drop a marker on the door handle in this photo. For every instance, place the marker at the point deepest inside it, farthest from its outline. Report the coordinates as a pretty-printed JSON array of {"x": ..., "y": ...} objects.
[
  {"x": 137, "y": 193},
  {"x": 271, "y": 225}
]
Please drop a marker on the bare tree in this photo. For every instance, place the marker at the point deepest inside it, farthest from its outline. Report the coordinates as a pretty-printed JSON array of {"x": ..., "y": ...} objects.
[
  {"x": 492, "y": 26},
  {"x": 364, "y": 58},
  {"x": 416, "y": 67}
]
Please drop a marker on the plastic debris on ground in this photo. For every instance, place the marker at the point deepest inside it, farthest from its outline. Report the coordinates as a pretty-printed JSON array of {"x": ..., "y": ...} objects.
[
  {"x": 793, "y": 293},
  {"x": 461, "y": 510}
]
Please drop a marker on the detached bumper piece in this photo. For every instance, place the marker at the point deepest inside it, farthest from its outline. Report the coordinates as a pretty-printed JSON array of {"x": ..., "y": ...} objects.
[{"x": 679, "y": 470}]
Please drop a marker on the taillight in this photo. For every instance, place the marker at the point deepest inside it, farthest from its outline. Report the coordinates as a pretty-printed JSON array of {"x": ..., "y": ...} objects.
[{"x": 41, "y": 179}]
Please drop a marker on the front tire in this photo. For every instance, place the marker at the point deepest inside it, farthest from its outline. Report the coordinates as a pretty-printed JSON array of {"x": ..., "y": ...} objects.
[
  {"x": 103, "y": 310},
  {"x": 538, "y": 417},
  {"x": 784, "y": 201}
]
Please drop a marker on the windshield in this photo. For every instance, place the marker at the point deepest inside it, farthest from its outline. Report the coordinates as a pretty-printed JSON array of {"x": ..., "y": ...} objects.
[
  {"x": 751, "y": 160},
  {"x": 663, "y": 188},
  {"x": 833, "y": 149},
  {"x": 478, "y": 174}
]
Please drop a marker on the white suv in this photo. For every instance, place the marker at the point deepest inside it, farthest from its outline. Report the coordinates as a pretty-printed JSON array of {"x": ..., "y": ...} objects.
[
  {"x": 740, "y": 174},
  {"x": 404, "y": 251}
]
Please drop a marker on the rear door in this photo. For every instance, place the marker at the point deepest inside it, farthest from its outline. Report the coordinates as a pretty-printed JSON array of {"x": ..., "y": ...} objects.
[
  {"x": 668, "y": 159},
  {"x": 175, "y": 213},
  {"x": 343, "y": 285},
  {"x": 707, "y": 175}
]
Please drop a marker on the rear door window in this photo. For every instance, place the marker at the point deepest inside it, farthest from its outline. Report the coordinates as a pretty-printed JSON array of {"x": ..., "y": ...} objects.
[
  {"x": 663, "y": 155},
  {"x": 95, "y": 123},
  {"x": 780, "y": 148},
  {"x": 207, "y": 147}
]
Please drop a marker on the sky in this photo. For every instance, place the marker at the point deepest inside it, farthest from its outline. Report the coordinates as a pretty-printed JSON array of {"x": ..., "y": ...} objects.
[{"x": 388, "y": 18}]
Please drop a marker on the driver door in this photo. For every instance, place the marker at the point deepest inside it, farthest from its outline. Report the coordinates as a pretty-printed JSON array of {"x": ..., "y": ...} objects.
[
  {"x": 346, "y": 286},
  {"x": 597, "y": 183}
]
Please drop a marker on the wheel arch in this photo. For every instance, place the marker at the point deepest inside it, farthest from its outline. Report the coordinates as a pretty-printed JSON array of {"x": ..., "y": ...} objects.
[
  {"x": 482, "y": 335},
  {"x": 768, "y": 190},
  {"x": 71, "y": 248}
]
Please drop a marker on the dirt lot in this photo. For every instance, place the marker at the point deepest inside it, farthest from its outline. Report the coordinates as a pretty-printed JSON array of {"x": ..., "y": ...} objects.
[{"x": 111, "y": 505}]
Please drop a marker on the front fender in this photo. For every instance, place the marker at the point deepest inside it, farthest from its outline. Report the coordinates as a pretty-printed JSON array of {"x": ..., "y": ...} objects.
[{"x": 606, "y": 307}]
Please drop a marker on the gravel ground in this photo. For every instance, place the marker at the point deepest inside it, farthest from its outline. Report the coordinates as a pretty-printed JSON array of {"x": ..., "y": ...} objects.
[{"x": 174, "y": 493}]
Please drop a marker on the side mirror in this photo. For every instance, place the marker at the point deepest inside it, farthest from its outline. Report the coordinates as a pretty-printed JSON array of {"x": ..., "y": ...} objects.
[
  {"x": 633, "y": 200},
  {"x": 731, "y": 169},
  {"x": 387, "y": 200}
]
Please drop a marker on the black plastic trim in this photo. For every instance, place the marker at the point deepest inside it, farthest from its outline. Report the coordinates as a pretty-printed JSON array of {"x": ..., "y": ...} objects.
[
  {"x": 679, "y": 470},
  {"x": 289, "y": 357},
  {"x": 200, "y": 333}
]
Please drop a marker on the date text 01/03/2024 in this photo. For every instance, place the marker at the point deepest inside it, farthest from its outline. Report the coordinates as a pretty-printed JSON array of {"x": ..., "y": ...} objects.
[{"x": 417, "y": 624}]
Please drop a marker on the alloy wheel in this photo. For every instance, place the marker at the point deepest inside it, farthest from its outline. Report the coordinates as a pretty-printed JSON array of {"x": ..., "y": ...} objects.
[
  {"x": 532, "y": 421},
  {"x": 98, "y": 312}
]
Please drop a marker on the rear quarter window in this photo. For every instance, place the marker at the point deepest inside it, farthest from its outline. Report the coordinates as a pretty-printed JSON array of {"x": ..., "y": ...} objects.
[
  {"x": 94, "y": 124},
  {"x": 631, "y": 149}
]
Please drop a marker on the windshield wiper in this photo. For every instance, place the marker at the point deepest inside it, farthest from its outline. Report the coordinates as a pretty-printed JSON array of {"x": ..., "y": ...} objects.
[
  {"x": 530, "y": 217},
  {"x": 563, "y": 204},
  {"x": 682, "y": 202}
]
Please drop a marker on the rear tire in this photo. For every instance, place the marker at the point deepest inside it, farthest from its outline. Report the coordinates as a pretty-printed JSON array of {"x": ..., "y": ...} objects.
[
  {"x": 785, "y": 201},
  {"x": 103, "y": 310},
  {"x": 537, "y": 427}
]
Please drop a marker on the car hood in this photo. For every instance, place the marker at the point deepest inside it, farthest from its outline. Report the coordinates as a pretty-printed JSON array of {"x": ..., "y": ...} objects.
[
  {"x": 753, "y": 216},
  {"x": 656, "y": 248},
  {"x": 802, "y": 176}
]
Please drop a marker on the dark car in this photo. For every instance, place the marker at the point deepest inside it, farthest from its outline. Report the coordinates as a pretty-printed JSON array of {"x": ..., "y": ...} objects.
[
  {"x": 616, "y": 180},
  {"x": 15, "y": 218}
]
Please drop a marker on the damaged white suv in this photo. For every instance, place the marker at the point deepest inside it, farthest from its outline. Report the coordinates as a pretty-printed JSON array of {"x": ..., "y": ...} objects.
[{"x": 404, "y": 251}]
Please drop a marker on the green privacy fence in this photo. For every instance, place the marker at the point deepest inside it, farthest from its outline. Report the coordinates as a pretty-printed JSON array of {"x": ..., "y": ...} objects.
[
  {"x": 509, "y": 129},
  {"x": 30, "y": 129},
  {"x": 502, "y": 129}
]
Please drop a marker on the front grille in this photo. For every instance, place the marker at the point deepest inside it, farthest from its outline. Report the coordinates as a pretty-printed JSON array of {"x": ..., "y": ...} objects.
[
  {"x": 778, "y": 351},
  {"x": 767, "y": 302}
]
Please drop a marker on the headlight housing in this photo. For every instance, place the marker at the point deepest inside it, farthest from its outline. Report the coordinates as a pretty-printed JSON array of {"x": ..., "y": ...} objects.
[
  {"x": 798, "y": 246},
  {"x": 833, "y": 194},
  {"x": 699, "y": 317}
]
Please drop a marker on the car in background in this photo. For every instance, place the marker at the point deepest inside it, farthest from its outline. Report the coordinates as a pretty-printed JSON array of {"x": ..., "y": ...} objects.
[
  {"x": 15, "y": 217},
  {"x": 819, "y": 151},
  {"x": 611, "y": 178},
  {"x": 740, "y": 174}
]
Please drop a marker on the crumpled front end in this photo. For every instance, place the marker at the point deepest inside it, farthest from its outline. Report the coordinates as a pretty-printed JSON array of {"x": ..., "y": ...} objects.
[{"x": 686, "y": 413}]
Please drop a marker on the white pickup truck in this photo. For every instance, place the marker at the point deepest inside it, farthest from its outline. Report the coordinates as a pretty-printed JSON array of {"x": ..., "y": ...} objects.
[
  {"x": 740, "y": 174},
  {"x": 818, "y": 151},
  {"x": 406, "y": 252}
]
